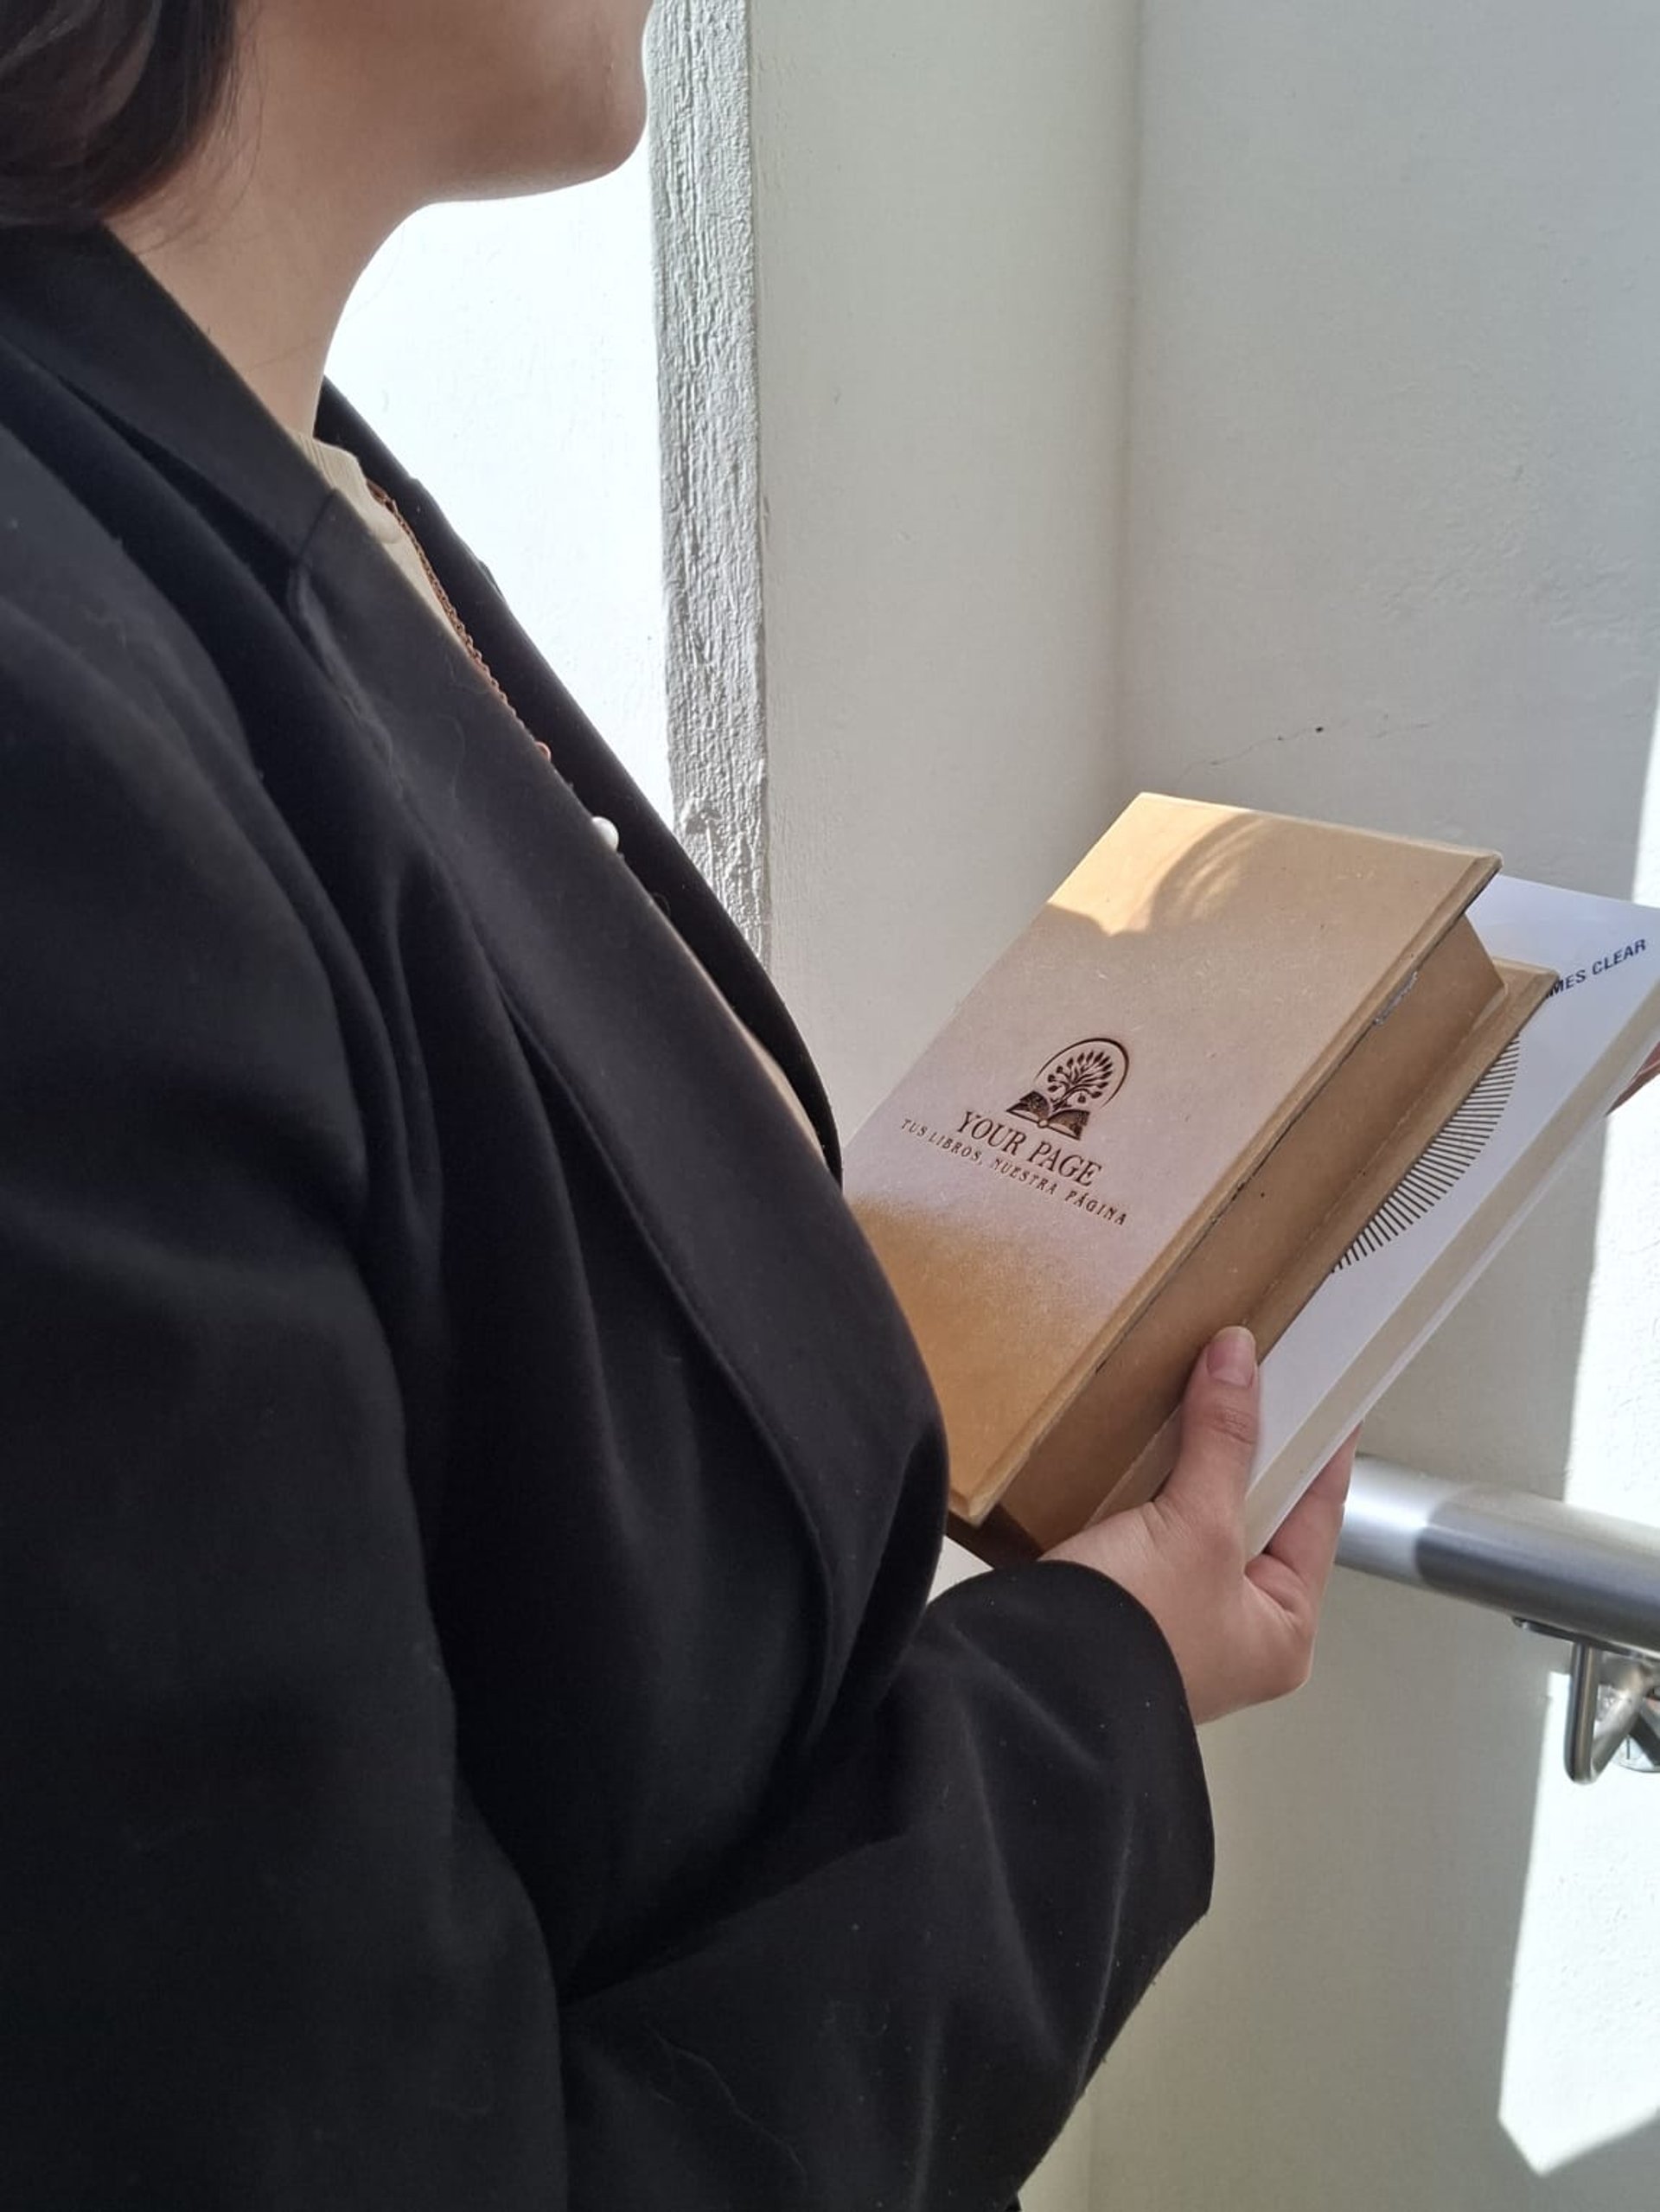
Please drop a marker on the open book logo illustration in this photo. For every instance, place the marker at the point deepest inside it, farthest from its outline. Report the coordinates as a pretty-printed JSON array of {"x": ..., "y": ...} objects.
[
  {"x": 1074, "y": 1084},
  {"x": 1441, "y": 1166}
]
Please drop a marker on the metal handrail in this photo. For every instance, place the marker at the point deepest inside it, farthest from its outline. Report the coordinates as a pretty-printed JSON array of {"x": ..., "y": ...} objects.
[{"x": 1590, "y": 1577}]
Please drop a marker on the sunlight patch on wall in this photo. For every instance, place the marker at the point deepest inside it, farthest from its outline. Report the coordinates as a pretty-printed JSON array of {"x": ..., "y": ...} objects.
[{"x": 1582, "y": 2049}]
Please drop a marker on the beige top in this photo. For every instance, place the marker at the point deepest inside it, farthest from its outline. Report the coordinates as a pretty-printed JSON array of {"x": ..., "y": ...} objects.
[{"x": 344, "y": 473}]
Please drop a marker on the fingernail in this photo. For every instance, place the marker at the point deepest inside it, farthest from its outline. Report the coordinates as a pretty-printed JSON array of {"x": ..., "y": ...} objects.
[{"x": 1232, "y": 1357}]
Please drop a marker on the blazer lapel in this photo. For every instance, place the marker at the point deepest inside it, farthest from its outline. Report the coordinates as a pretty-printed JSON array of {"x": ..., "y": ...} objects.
[
  {"x": 655, "y": 856},
  {"x": 719, "y": 1181}
]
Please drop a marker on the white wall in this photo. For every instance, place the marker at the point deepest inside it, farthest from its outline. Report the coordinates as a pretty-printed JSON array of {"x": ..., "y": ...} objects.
[
  {"x": 944, "y": 190},
  {"x": 1393, "y": 554},
  {"x": 508, "y": 354}
]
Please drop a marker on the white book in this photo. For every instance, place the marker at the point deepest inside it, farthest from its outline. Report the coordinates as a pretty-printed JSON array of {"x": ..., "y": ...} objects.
[{"x": 1481, "y": 1177}]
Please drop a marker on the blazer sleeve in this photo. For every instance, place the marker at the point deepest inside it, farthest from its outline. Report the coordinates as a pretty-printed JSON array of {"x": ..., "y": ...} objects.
[
  {"x": 257, "y": 1948},
  {"x": 911, "y": 1984}
]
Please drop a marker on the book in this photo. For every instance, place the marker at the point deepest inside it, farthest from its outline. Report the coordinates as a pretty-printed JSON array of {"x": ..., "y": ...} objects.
[
  {"x": 1269, "y": 1018},
  {"x": 1473, "y": 1185}
]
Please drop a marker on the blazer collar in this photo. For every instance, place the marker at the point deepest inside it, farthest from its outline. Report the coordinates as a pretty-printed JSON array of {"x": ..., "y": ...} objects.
[
  {"x": 90, "y": 313},
  {"x": 86, "y": 310}
]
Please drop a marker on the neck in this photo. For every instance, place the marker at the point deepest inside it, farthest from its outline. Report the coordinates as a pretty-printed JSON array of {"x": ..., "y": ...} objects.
[{"x": 263, "y": 235}]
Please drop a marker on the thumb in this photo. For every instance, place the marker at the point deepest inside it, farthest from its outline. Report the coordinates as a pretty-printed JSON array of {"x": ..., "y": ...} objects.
[{"x": 1219, "y": 1427}]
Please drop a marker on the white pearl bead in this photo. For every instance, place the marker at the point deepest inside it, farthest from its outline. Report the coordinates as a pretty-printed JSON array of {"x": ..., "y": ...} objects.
[{"x": 609, "y": 832}]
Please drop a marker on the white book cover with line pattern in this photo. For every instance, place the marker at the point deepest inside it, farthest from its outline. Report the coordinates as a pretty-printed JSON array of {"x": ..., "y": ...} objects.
[{"x": 1478, "y": 1181}]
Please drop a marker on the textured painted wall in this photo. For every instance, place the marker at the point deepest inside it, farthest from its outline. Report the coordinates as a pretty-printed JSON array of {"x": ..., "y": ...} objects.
[
  {"x": 508, "y": 351},
  {"x": 701, "y": 177},
  {"x": 1393, "y": 554}
]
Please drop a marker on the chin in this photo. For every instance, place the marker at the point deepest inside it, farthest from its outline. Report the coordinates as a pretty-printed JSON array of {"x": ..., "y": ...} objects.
[
  {"x": 613, "y": 138},
  {"x": 574, "y": 134}
]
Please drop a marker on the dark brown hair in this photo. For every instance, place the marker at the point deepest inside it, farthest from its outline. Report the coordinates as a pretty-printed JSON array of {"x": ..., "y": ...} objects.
[{"x": 101, "y": 100}]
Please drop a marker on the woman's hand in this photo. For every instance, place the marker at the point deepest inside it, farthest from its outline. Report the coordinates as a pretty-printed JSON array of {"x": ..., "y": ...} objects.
[{"x": 1242, "y": 1630}]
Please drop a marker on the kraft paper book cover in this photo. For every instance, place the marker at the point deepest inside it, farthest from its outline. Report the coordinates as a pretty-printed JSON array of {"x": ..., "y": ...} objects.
[{"x": 1171, "y": 1105}]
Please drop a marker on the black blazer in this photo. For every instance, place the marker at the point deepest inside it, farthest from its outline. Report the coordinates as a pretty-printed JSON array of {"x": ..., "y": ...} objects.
[{"x": 469, "y": 1728}]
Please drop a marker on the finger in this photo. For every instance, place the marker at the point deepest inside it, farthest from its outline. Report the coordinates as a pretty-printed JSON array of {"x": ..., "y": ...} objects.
[
  {"x": 1306, "y": 1543},
  {"x": 1219, "y": 1428}
]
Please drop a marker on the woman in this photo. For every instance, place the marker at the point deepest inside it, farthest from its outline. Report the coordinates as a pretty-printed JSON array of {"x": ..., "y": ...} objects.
[{"x": 471, "y": 1732}]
